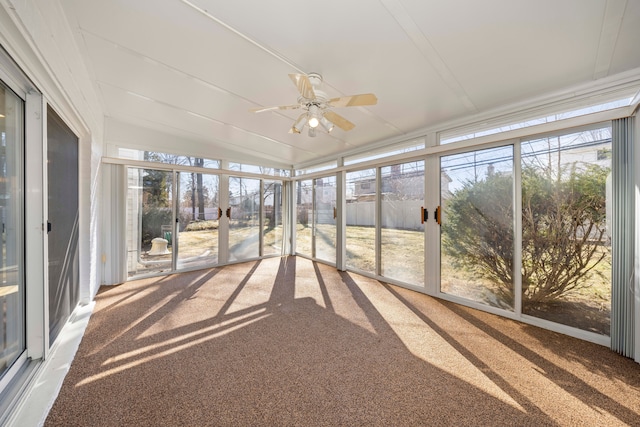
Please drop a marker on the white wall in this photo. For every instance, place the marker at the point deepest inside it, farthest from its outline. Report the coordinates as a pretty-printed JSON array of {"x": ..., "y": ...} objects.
[
  {"x": 42, "y": 44},
  {"x": 38, "y": 38}
]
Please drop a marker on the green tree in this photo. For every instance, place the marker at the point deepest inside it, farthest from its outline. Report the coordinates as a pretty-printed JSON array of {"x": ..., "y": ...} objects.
[
  {"x": 563, "y": 230},
  {"x": 156, "y": 205},
  {"x": 477, "y": 230},
  {"x": 155, "y": 183},
  {"x": 155, "y": 188}
]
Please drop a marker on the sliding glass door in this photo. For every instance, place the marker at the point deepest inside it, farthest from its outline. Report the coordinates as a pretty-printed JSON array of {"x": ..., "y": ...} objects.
[
  {"x": 534, "y": 239},
  {"x": 196, "y": 237},
  {"x": 566, "y": 234},
  {"x": 272, "y": 227},
  {"x": 244, "y": 218},
  {"x": 12, "y": 285},
  {"x": 316, "y": 218},
  {"x": 149, "y": 221},
  {"x": 477, "y": 243},
  {"x": 361, "y": 220},
  {"x": 304, "y": 212},
  {"x": 324, "y": 219},
  {"x": 402, "y": 227},
  {"x": 384, "y": 223},
  {"x": 195, "y": 229}
]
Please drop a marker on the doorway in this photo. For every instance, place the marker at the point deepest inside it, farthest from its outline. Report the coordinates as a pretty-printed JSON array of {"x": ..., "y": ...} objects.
[{"x": 62, "y": 223}]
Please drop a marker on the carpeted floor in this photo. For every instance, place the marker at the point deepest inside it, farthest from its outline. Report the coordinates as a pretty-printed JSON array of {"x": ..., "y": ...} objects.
[{"x": 292, "y": 342}]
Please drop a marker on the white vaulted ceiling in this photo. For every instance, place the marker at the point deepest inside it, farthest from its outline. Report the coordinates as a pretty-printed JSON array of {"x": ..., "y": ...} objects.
[{"x": 191, "y": 70}]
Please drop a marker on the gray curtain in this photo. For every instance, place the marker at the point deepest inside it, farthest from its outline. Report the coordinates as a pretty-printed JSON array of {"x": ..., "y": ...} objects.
[{"x": 622, "y": 281}]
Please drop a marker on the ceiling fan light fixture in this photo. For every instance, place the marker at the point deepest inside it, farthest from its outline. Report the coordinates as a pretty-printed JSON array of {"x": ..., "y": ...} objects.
[
  {"x": 299, "y": 124},
  {"x": 326, "y": 124},
  {"x": 314, "y": 114},
  {"x": 317, "y": 106}
]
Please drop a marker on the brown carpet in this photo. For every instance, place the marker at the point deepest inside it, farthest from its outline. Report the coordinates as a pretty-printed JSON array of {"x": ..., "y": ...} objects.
[{"x": 292, "y": 342}]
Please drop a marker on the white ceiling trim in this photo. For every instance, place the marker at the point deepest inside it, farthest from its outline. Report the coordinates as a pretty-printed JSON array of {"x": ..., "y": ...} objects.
[
  {"x": 627, "y": 82},
  {"x": 575, "y": 97},
  {"x": 611, "y": 24},
  {"x": 499, "y": 139},
  {"x": 179, "y": 132},
  {"x": 224, "y": 151}
]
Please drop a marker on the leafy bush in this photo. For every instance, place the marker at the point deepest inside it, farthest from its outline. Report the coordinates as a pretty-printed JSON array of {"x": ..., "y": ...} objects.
[
  {"x": 563, "y": 230},
  {"x": 201, "y": 225},
  {"x": 152, "y": 221}
]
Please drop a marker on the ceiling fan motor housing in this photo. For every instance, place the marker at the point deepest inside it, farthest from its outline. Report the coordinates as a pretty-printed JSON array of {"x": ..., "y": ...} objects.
[{"x": 315, "y": 79}]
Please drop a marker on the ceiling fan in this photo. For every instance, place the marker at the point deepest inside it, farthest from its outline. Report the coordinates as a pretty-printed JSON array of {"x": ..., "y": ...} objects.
[{"x": 317, "y": 106}]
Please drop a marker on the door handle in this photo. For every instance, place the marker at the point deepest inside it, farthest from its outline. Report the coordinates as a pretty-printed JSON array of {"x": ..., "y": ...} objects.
[
  {"x": 219, "y": 213},
  {"x": 438, "y": 214},
  {"x": 424, "y": 215},
  {"x": 229, "y": 212},
  {"x": 334, "y": 213}
]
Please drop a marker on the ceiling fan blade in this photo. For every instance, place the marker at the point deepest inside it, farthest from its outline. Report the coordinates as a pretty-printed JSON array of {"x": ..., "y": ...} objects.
[
  {"x": 303, "y": 85},
  {"x": 280, "y": 107},
  {"x": 338, "y": 120},
  {"x": 354, "y": 100}
]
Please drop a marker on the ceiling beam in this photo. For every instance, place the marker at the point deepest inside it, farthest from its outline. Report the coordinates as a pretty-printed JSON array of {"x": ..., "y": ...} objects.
[
  {"x": 611, "y": 24},
  {"x": 399, "y": 13}
]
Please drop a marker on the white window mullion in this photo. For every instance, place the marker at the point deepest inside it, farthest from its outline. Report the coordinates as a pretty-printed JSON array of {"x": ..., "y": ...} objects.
[
  {"x": 517, "y": 228},
  {"x": 223, "y": 221},
  {"x": 261, "y": 218},
  {"x": 35, "y": 224},
  {"x": 175, "y": 227},
  {"x": 341, "y": 220},
  {"x": 378, "y": 222},
  {"x": 432, "y": 229}
]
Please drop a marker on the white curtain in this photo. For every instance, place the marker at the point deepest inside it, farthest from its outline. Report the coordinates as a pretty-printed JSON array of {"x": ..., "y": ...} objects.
[
  {"x": 287, "y": 217},
  {"x": 114, "y": 255}
]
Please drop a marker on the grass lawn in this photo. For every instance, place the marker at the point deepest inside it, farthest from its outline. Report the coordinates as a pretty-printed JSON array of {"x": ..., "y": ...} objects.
[{"x": 403, "y": 259}]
